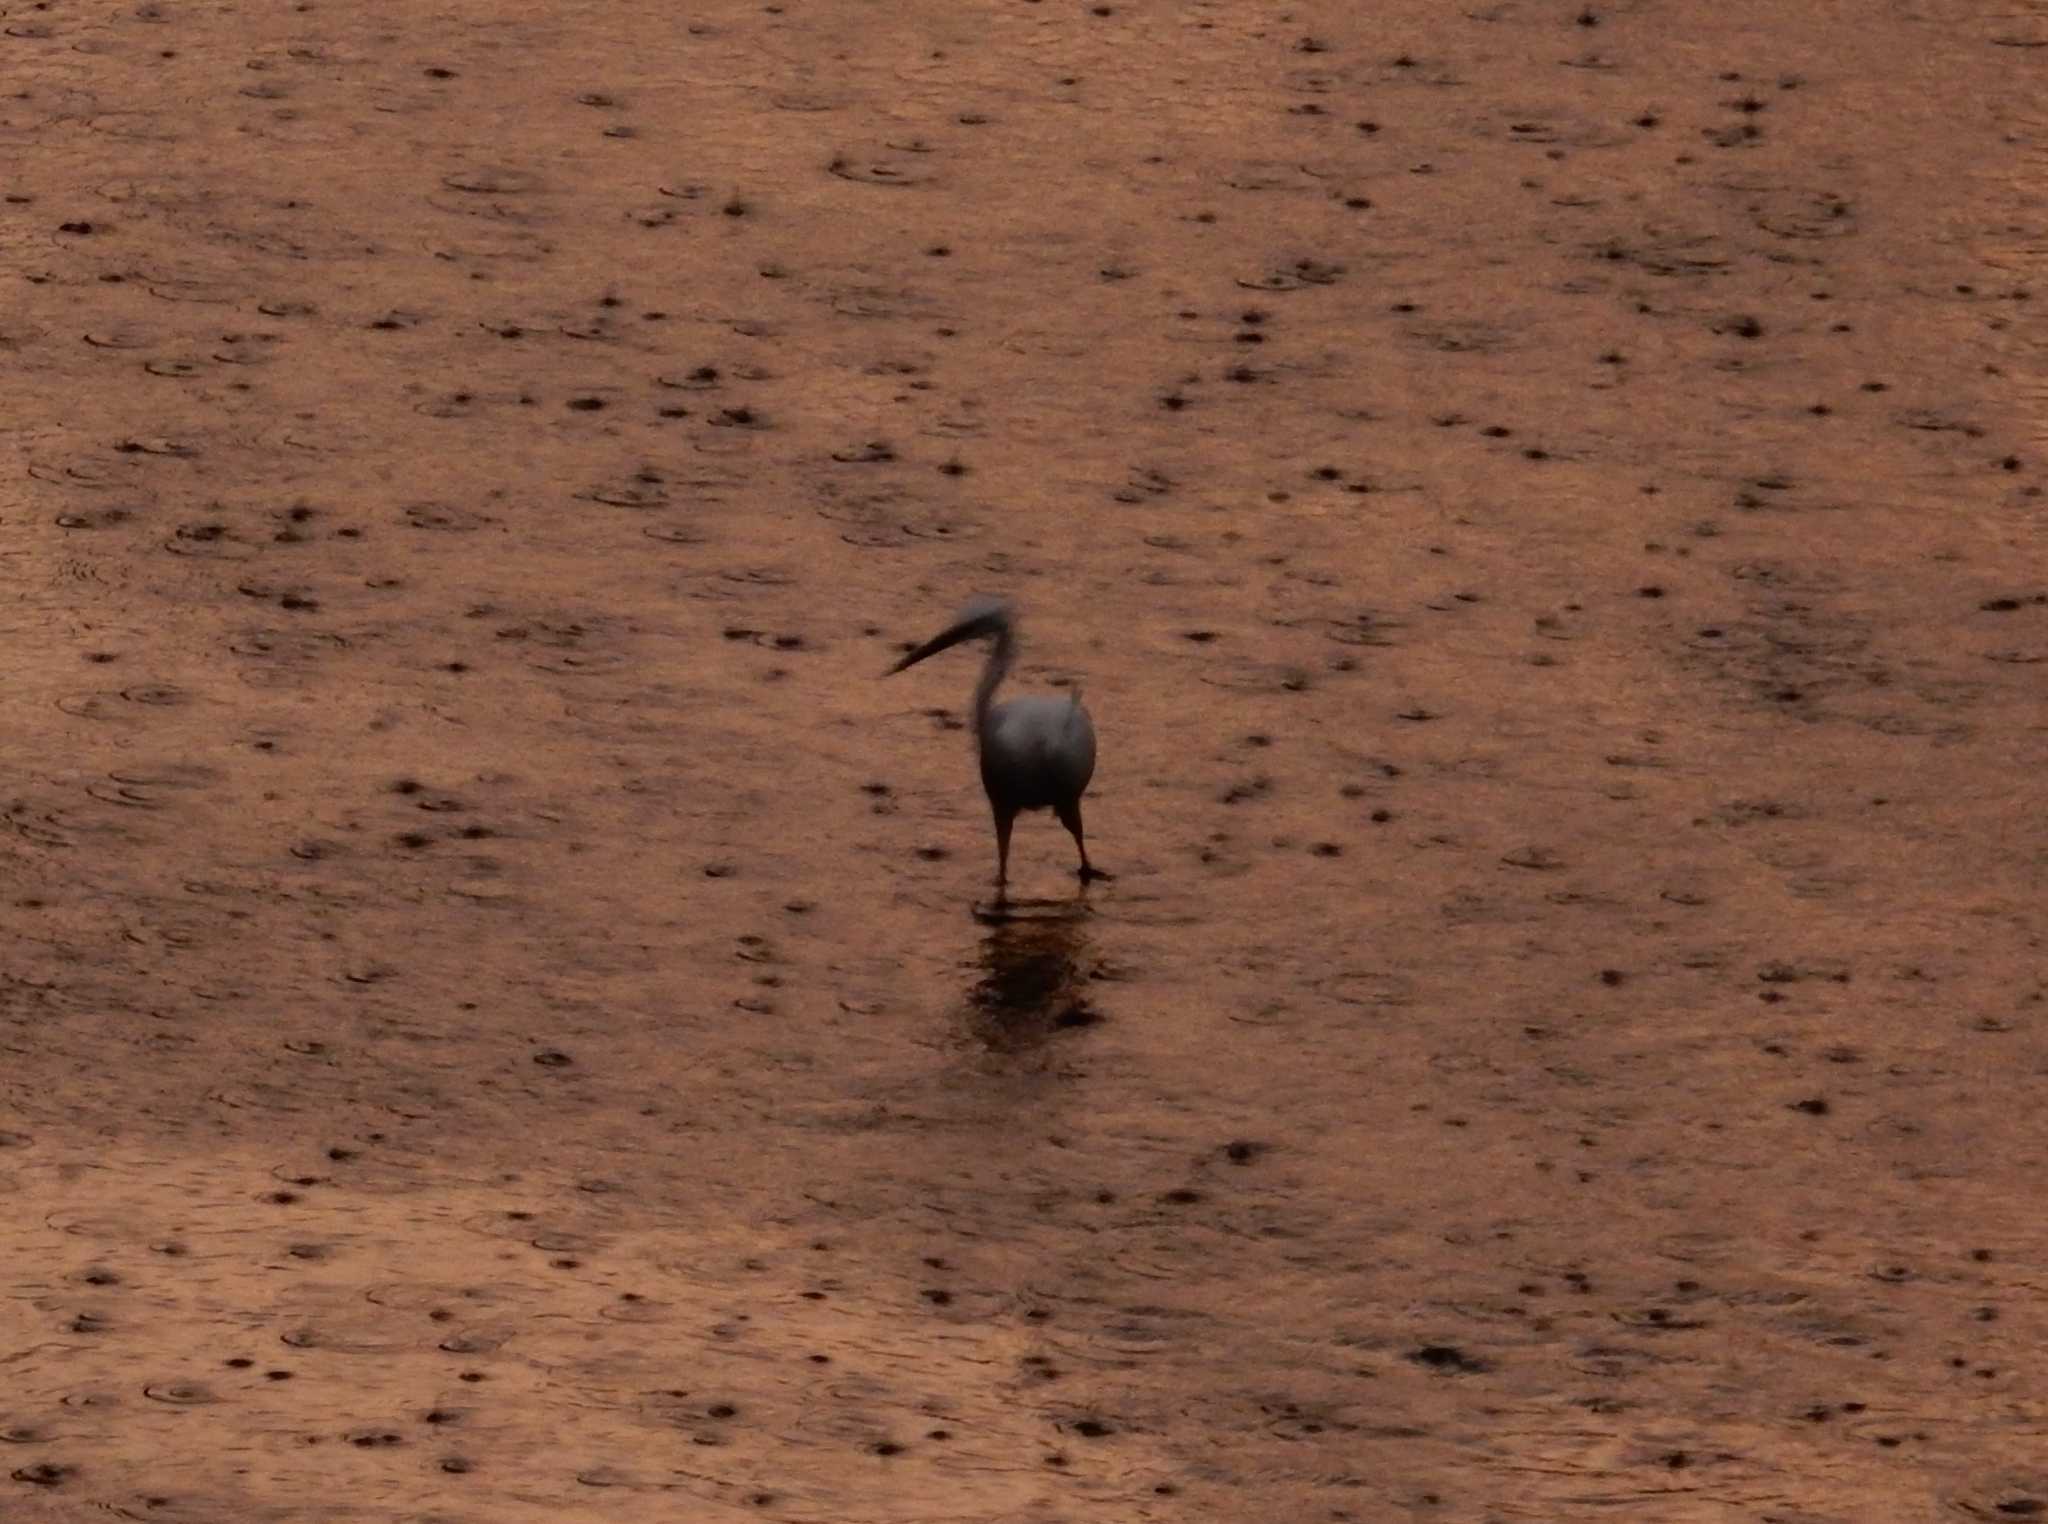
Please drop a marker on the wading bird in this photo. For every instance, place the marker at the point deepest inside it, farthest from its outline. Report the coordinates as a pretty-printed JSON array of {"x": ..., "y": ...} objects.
[{"x": 1037, "y": 753}]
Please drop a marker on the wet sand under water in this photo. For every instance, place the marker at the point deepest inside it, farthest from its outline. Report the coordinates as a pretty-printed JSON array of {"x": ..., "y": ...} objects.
[{"x": 1545, "y": 503}]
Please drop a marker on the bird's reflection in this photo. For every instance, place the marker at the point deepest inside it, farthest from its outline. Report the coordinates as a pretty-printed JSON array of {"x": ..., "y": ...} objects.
[{"x": 1034, "y": 980}]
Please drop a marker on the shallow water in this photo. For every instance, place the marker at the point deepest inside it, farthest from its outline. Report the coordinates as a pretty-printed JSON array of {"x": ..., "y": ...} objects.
[{"x": 1545, "y": 504}]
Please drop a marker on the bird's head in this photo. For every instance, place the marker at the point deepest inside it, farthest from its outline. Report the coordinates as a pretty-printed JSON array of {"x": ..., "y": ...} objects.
[{"x": 982, "y": 617}]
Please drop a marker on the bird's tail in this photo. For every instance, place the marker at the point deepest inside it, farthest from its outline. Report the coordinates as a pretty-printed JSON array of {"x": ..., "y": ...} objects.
[{"x": 1076, "y": 717}]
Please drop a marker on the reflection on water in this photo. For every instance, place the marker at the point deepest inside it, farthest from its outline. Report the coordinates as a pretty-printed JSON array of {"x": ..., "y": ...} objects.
[{"x": 1032, "y": 984}]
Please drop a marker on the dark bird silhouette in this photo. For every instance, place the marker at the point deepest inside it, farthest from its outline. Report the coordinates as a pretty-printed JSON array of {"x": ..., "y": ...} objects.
[{"x": 1037, "y": 752}]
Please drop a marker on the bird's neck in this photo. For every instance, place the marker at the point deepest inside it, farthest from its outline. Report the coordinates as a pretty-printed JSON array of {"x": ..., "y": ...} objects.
[{"x": 1001, "y": 654}]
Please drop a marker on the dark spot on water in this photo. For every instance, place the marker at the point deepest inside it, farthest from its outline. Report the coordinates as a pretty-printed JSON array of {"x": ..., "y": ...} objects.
[{"x": 1447, "y": 1357}]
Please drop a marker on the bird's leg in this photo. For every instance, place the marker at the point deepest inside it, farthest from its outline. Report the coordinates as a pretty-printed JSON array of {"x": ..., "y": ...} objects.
[
  {"x": 1070, "y": 817},
  {"x": 1004, "y": 820}
]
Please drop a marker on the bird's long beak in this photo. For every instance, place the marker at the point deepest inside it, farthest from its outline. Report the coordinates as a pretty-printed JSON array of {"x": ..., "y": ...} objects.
[
  {"x": 982, "y": 622},
  {"x": 931, "y": 647}
]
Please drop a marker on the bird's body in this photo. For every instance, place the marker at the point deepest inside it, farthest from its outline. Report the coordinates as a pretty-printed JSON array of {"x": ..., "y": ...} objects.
[{"x": 1037, "y": 752}]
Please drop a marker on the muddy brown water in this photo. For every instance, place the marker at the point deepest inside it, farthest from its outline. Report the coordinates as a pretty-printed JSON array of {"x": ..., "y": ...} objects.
[{"x": 1545, "y": 503}]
